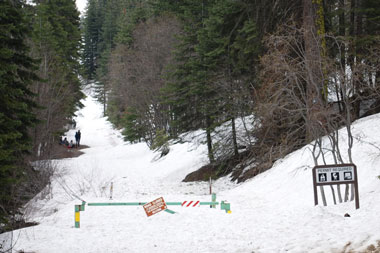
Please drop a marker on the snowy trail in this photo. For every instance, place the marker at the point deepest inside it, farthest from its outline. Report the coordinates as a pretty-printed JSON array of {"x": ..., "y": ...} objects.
[{"x": 273, "y": 212}]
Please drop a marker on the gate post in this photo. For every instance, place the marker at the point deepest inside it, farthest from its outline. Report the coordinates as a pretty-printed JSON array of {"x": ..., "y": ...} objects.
[
  {"x": 77, "y": 216},
  {"x": 213, "y": 199},
  {"x": 224, "y": 205}
]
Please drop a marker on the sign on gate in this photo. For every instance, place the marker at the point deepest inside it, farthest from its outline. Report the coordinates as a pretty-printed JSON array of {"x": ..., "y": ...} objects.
[
  {"x": 335, "y": 174},
  {"x": 155, "y": 206}
]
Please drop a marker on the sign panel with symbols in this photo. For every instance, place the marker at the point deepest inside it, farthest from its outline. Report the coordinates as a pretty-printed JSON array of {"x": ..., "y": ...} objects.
[{"x": 336, "y": 174}]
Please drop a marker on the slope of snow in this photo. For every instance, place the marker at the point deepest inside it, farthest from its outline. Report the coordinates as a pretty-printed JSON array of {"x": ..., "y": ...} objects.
[{"x": 273, "y": 212}]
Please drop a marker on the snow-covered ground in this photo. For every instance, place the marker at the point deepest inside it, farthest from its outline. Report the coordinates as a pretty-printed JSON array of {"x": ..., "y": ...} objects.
[{"x": 273, "y": 212}]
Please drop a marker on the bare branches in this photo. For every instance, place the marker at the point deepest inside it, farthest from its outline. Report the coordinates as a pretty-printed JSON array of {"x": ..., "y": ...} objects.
[
  {"x": 291, "y": 108},
  {"x": 137, "y": 73}
]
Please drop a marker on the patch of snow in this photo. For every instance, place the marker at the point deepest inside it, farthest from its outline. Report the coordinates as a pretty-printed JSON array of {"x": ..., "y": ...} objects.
[{"x": 273, "y": 212}]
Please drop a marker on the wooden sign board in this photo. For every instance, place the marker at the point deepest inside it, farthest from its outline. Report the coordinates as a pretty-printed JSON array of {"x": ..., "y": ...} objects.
[
  {"x": 335, "y": 174},
  {"x": 155, "y": 206}
]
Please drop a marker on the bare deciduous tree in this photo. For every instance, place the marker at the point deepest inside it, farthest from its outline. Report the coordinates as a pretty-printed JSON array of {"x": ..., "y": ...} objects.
[
  {"x": 137, "y": 73},
  {"x": 291, "y": 116}
]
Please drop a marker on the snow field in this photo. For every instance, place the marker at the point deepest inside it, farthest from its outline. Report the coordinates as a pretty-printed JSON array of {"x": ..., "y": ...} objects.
[{"x": 273, "y": 212}]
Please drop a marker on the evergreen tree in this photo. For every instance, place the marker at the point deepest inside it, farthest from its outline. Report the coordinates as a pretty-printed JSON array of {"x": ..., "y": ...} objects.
[
  {"x": 56, "y": 41},
  {"x": 105, "y": 24},
  {"x": 16, "y": 117},
  {"x": 92, "y": 30},
  {"x": 190, "y": 93},
  {"x": 132, "y": 13},
  {"x": 231, "y": 47},
  {"x": 215, "y": 69},
  {"x": 109, "y": 30},
  {"x": 136, "y": 75}
]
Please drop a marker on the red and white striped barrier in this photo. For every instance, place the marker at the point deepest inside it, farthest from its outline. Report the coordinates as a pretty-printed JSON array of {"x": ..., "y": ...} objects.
[{"x": 190, "y": 203}]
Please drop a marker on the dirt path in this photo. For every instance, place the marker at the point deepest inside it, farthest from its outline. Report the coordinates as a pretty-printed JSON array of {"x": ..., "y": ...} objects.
[{"x": 61, "y": 151}]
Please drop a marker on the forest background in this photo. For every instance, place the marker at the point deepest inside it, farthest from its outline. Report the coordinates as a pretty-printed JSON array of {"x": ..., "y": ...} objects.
[{"x": 295, "y": 70}]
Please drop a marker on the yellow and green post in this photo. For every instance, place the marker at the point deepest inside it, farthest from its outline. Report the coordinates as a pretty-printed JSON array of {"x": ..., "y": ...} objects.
[
  {"x": 78, "y": 209},
  {"x": 77, "y": 216}
]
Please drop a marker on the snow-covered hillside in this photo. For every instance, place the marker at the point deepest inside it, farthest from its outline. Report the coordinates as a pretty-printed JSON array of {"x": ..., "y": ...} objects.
[{"x": 273, "y": 212}]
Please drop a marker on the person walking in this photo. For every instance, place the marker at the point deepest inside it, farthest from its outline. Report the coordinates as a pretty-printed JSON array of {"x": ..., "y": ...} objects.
[{"x": 78, "y": 140}]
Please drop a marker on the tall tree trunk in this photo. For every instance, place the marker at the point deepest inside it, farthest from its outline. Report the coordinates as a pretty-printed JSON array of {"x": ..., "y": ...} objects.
[
  {"x": 104, "y": 102},
  {"x": 342, "y": 51},
  {"x": 236, "y": 151},
  {"x": 314, "y": 73},
  {"x": 209, "y": 140},
  {"x": 355, "y": 30}
]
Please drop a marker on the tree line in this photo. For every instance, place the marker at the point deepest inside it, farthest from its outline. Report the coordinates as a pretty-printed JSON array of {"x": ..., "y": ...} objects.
[
  {"x": 296, "y": 70},
  {"x": 40, "y": 92},
  {"x": 303, "y": 68}
]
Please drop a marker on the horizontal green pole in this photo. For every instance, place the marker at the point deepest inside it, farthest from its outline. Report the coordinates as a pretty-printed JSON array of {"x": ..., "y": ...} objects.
[
  {"x": 173, "y": 203},
  {"x": 118, "y": 204},
  {"x": 143, "y": 203},
  {"x": 209, "y": 203}
]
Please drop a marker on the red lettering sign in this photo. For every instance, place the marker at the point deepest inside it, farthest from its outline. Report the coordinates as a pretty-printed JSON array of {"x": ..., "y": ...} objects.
[{"x": 155, "y": 206}]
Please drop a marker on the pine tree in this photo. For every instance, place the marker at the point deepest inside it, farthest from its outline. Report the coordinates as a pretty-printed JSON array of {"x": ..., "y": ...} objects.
[
  {"x": 215, "y": 59},
  {"x": 93, "y": 21},
  {"x": 120, "y": 19},
  {"x": 56, "y": 41},
  {"x": 231, "y": 47},
  {"x": 16, "y": 117},
  {"x": 109, "y": 30},
  {"x": 189, "y": 93},
  {"x": 136, "y": 77}
]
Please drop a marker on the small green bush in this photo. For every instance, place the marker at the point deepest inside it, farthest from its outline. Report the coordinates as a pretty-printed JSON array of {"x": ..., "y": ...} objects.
[{"x": 161, "y": 142}]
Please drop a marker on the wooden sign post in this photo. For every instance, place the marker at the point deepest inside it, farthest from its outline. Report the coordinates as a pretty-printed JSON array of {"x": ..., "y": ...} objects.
[{"x": 334, "y": 175}]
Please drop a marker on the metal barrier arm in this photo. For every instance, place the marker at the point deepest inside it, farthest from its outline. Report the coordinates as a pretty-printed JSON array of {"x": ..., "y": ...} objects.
[
  {"x": 143, "y": 203},
  {"x": 224, "y": 205}
]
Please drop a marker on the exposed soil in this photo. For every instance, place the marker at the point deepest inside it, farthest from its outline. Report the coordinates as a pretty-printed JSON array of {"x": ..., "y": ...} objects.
[
  {"x": 61, "y": 151},
  {"x": 234, "y": 164},
  {"x": 202, "y": 174}
]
